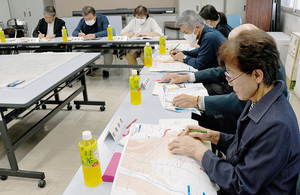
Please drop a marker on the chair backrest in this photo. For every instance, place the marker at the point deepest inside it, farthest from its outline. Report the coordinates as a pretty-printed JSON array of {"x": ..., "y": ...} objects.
[
  {"x": 10, "y": 32},
  {"x": 234, "y": 20},
  {"x": 114, "y": 21}
]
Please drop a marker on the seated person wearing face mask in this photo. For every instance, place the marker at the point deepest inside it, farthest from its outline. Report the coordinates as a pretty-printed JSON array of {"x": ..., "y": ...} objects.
[
  {"x": 209, "y": 39},
  {"x": 91, "y": 26},
  {"x": 140, "y": 26}
]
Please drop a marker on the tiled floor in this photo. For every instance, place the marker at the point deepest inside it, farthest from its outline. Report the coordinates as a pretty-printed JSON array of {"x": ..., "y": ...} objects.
[{"x": 54, "y": 149}]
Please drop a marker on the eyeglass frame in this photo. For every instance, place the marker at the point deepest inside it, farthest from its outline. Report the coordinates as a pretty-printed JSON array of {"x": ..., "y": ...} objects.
[{"x": 228, "y": 78}]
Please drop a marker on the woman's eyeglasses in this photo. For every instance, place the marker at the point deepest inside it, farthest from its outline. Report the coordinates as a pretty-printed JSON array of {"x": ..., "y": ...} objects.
[{"x": 229, "y": 79}]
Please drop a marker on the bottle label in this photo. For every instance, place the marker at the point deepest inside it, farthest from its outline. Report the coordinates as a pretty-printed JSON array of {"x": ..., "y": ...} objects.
[
  {"x": 147, "y": 51},
  {"x": 162, "y": 42},
  {"x": 89, "y": 155},
  {"x": 1, "y": 33},
  {"x": 64, "y": 32},
  {"x": 109, "y": 30},
  {"x": 135, "y": 84}
]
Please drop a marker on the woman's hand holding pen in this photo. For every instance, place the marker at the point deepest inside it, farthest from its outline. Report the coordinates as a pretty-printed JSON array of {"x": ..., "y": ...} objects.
[
  {"x": 210, "y": 135},
  {"x": 189, "y": 143},
  {"x": 131, "y": 34}
]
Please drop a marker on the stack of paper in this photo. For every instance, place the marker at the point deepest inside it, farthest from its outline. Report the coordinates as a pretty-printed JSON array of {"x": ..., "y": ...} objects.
[
  {"x": 167, "y": 63},
  {"x": 167, "y": 93},
  {"x": 148, "y": 167}
]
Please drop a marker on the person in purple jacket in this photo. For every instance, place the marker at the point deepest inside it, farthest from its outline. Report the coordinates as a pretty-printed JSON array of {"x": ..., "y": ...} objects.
[{"x": 263, "y": 157}]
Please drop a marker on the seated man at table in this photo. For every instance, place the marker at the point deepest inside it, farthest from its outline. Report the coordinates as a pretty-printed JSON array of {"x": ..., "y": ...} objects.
[
  {"x": 220, "y": 112},
  {"x": 50, "y": 26},
  {"x": 92, "y": 26},
  {"x": 209, "y": 39},
  {"x": 140, "y": 26}
]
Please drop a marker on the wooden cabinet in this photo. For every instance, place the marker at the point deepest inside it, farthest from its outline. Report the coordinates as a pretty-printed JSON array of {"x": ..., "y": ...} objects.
[{"x": 259, "y": 13}]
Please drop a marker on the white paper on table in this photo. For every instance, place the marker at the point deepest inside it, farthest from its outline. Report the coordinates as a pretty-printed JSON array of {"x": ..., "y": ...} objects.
[
  {"x": 178, "y": 122},
  {"x": 158, "y": 88},
  {"x": 175, "y": 67}
]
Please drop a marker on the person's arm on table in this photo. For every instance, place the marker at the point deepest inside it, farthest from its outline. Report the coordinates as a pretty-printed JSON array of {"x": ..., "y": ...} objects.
[
  {"x": 37, "y": 29},
  {"x": 202, "y": 57},
  {"x": 189, "y": 143}
]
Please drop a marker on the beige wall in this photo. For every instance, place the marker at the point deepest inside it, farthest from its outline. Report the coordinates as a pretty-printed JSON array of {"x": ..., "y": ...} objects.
[{"x": 64, "y": 8}]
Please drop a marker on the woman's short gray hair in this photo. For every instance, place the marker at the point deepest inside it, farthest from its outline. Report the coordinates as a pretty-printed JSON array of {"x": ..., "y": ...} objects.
[
  {"x": 50, "y": 10},
  {"x": 190, "y": 18}
]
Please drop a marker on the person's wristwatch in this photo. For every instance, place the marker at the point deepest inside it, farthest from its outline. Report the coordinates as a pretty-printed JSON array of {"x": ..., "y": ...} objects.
[{"x": 184, "y": 57}]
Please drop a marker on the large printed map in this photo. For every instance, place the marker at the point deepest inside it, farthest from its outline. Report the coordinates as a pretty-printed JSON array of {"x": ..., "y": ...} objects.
[{"x": 147, "y": 166}]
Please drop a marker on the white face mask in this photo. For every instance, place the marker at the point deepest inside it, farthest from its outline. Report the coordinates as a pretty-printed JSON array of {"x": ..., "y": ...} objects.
[
  {"x": 90, "y": 22},
  {"x": 190, "y": 37},
  {"x": 140, "y": 21}
]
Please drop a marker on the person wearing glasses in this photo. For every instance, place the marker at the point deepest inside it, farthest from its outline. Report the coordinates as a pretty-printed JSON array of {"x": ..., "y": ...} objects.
[
  {"x": 221, "y": 111},
  {"x": 92, "y": 26},
  {"x": 263, "y": 156},
  {"x": 50, "y": 26}
]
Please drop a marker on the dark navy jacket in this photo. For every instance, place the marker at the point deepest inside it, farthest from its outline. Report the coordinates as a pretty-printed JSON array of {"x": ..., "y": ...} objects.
[
  {"x": 263, "y": 157},
  {"x": 225, "y": 29},
  {"x": 228, "y": 103},
  {"x": 99, "y": 28},
  {"x": 206, "y": 55}
]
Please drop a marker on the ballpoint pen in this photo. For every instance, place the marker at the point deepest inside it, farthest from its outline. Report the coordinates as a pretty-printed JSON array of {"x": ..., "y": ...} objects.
[
  {"x": 15, "y": 83},
  {"x": 176, "y": 46},
  {"x": 131, "y": 123},
  {"x": 200, "y": 131},
  {"x": 39, "y": 32}
]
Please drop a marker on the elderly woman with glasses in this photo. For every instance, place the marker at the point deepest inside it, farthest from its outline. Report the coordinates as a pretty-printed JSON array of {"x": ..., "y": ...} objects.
[{"x": 263, "y": 157}]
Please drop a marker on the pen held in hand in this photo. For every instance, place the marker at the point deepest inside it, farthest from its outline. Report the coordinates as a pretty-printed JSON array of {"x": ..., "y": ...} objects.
[
  {"x": 176, "y": 47},
  {"x": 199, "y": 131},
  {"x": 39, "y": 32}
]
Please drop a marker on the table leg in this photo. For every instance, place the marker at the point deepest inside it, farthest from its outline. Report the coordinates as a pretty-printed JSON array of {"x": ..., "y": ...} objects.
[
  {"x": 14, "y": 169},
  {"x": 85, "y": 96}
]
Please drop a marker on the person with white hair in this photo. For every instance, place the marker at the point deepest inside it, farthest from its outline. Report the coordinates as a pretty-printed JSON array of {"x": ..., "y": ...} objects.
[
  {"x": 50, "y": 26},
  {"x": 209, "y": 39}
]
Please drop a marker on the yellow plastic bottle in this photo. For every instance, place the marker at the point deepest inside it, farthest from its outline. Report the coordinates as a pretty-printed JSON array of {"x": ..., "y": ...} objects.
[
  {"x": 162, "y": 45},
  {"x": 135, "y": 88},
  {"x": 90, "y": 160},
  {"x": 64, "y": 34},
  {"x": 2, "y": 36},
  {"x": 110, "y": 33},
  {"x": 148, "y": 55}
]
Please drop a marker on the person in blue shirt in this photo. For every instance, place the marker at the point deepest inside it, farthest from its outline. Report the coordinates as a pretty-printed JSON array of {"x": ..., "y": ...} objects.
[
  {"x": 92, "y": 26},
  {"x": 263, "y": 157}
]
